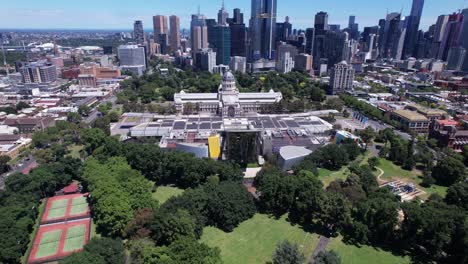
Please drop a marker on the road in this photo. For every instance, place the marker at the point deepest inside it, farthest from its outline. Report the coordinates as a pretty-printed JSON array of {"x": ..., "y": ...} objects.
[
  {"x": 321, "y": 246},
  {"x": 95, "y": 114},
  {"x": 23, "y": 164}
]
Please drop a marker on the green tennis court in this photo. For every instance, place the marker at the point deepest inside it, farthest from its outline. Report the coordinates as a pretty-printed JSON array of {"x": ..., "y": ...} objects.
[
  {"x": 79, "y": 206},
  {"x": 75, "y": 238},
  {"x": 49, "y": 244},
  {"x": 58, "y": 209}
]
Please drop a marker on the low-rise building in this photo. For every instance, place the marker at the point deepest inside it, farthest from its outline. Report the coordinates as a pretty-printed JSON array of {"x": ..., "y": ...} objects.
[
  {"x": 449, "y": 134},
  {"x": 412, "y": 120},
  {"x": 12, "y": 145}
]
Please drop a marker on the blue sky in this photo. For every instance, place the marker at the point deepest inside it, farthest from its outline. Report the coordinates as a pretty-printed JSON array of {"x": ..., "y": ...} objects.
[{"x": 118, "y": 14}]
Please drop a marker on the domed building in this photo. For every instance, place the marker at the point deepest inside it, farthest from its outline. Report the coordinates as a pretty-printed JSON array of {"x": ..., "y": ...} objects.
[{"x": 228, "y": 102}]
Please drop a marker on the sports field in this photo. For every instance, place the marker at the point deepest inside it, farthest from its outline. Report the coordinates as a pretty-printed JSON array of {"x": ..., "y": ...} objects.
[
  {"x": 65, "y": 207},
  {"x": 56, "y": 241},
  {"x": 255, "y": 240}
]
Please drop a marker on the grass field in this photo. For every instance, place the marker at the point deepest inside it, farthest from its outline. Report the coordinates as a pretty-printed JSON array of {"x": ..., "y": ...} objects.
[
  {"x": 75, "y": 238},
  {"x": 392, "y": 171},
  {"x": 255, "y": 240},
  {"x": 163, "y": 193},
  {"x": 49, "y": 244},
  {"x": 327, "y": 176},
  {"x": 351, "y": 254}
]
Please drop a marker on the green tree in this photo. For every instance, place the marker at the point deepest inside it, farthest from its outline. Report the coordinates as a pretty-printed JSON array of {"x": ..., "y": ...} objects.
[
  {"x": 84, "y": 110},
  {"x": 287, "y": 253},
  {"x": 327, "y": 257},
  {"x": 74, "y": 117},
  {"x": 448, "y": 171},
  {"x": 367, "y": 135},
  {"x": 457, "y": 195},
  {"x": 168, "y": 227},
  {"x": 373, "y": 162},
  {"x": 4, "y": 166},
  {"x": 83, "y": 257}
]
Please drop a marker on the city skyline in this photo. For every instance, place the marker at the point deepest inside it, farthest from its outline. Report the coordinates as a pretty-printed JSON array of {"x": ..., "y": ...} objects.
[{"x": 101, "y": 15}]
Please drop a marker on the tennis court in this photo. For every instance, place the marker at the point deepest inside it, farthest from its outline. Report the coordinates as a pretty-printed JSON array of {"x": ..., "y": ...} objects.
[
  {"x": 56, "y": 241},
  {"x": 49, "y": 244},
  {"x": 65, "y": 207},
  {"x": 75, "y": 238}
]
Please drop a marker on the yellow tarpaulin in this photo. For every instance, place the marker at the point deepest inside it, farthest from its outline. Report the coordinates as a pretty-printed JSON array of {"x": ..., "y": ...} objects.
[{"x": 215, "y": 149}]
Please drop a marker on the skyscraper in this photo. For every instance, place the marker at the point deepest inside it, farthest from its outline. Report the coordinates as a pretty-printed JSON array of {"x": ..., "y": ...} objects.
[
  {"x": 439, "y": 32},
  {"x": 262, "y": 29},
  {"x": 223, "y": 15},
  {"x": 138, "y": 34},
  {"x": 238, "y": 17},
  {"x": 412, "y": 26},
  {"x": 321, "y": 21},
  {"x": 160, "y": 27},
  {"x": 219, "y": 39},
  {"x": 391, "y": 36},
  {"x": 175, "y": 32},
  {"x": 283, "y": 30},
  {"x": 199, "y": 32},
  {"x": 310, "y": 38},
  {"x": 451, "y": 36}
]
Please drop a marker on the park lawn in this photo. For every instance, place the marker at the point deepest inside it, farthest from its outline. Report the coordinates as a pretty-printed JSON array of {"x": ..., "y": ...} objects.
[
  {"x": 328, "y": 176},
  {"x": 392, "y": 171},
  {"x": 75, "y": 151},
  {"x": 163, "y": 193},
  {"x": 255, "y": 240},
  {"x": 351, "y": 254}
]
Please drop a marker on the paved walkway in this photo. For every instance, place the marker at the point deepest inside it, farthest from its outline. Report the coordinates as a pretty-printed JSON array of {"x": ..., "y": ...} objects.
[{"x": 321, "y": 246}]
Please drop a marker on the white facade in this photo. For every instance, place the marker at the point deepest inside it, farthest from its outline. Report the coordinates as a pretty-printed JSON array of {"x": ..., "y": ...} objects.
[
  {"x": 228, "y": 101},
  {"x": 238, "y": 64},
  {"x": 342, "y": 77},
  {"x": 285, "y": 62},
  {"x": 132, "y": 55}
]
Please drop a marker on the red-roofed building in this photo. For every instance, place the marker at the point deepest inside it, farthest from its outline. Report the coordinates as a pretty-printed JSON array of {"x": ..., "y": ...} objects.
[{"x": 449, "y": 134}]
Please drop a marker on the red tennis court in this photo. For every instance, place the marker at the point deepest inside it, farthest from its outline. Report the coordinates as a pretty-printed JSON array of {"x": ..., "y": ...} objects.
[
  {"x": 65, "y": 207},
  {"x": 56, "y": 241}
]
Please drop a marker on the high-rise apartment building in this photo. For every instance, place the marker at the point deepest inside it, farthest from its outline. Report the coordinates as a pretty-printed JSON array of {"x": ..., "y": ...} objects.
[
  {"x": 341, "y": 79},
  {"x": 160, "y": 27},
  {"x": 303, "y": 62},
  {"x": 38, "y": 72},
  {"x": 138, "y": 33},
  {"x": 174, "y": 37},
  {"x": 238, "y": 64},
  {"x": 131, "y": 55},
  {"x": 412, "y": 26},
  {"x": 262, "y": 29},
  {"x": 205, "y": 59},
  {"x": 285, "y": 57}
]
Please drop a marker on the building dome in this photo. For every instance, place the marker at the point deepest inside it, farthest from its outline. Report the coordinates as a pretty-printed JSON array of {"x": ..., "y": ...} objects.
[{"x": 229, "y": 77}]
